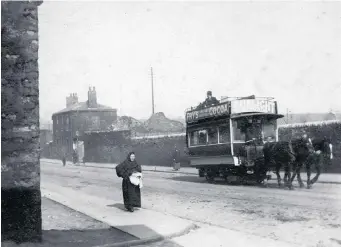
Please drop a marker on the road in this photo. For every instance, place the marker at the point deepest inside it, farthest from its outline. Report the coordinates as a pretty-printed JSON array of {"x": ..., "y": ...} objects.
[{"x": 304, "y": 217}]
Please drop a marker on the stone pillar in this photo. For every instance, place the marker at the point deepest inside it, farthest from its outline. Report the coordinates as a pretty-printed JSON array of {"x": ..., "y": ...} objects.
[{"x": 20, "y": 168}]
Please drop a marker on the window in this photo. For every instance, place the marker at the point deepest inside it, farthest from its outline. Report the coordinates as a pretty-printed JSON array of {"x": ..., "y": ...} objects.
[
  {"x": 94, "y": 123},
  {"x": 198, "y": 137},
  {"x": 238, "y": 133},
  {"x": 253, "y": 131},
  {"x": 224, "y": 134},
  {"x": 254, "y": 128},
  {"x": 67, "y": 123},
  {"x": 212, "y": 135},
  {"x": 269, "y": 130},
  {"x": 61, "y": 123}
]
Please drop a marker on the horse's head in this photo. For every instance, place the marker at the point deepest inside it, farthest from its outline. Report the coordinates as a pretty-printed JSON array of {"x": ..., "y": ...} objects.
[
  {"x": 328, "y": 149},
  {"x": 310, "y": 146}
]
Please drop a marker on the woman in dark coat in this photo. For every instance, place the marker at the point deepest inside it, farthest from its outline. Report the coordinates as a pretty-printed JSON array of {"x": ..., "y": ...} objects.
[{"x": 131, "y": 192}]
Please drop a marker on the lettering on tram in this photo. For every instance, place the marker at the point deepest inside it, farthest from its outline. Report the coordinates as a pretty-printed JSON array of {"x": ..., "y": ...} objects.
[
  {"x": 253, "y": 105},
  {"x": 213, "y": 111}
]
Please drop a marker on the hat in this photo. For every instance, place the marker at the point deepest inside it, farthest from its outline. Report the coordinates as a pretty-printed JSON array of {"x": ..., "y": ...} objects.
[{"x": 209, "y": 93}]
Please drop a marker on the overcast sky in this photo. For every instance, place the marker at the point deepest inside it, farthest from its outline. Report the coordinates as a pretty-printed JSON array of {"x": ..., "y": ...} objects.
[{"x": 291, "y": 51}]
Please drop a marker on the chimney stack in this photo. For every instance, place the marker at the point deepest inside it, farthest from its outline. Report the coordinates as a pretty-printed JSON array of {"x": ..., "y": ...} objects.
[
  {"x": 71, "y": 100},
  {"x": 92, "y": 98}
]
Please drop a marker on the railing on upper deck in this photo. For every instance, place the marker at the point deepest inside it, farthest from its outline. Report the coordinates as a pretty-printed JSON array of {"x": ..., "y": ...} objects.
[{"x": 225, "y": 99}]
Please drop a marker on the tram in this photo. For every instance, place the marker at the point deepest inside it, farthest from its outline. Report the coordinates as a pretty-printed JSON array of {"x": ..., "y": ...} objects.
[{"x": 226, "y": 140}]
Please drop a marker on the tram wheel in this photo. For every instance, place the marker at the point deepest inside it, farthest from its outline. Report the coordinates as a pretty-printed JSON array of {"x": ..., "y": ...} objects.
[{"x": 209, "y": 178}]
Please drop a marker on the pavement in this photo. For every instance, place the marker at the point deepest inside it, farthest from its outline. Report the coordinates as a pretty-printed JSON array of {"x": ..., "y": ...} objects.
[
  {"x": 64, "y": 227},
  {"x": 324, "y": 177},
  {"x": 150, "y": 226},
  {"x": 144, "y": 224},
  {"x": 224, "y": 214}
]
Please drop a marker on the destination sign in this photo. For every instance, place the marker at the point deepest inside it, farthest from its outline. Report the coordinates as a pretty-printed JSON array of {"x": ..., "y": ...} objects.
[
  {"x": 214, "y": 111},
  {"x": 253, "y": 105}
]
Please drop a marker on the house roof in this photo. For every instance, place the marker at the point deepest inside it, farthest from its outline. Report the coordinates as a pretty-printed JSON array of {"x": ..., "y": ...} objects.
[{"x": 83, "y": 106}]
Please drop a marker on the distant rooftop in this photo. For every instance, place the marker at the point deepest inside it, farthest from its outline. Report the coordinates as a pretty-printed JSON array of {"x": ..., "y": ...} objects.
[
  {"x": 83, "y": 106},
  {"x": 91, "y": 104}
]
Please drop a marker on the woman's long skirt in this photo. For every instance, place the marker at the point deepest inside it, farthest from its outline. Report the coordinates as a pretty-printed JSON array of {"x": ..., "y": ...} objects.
[{"x": 131, "y": 194}]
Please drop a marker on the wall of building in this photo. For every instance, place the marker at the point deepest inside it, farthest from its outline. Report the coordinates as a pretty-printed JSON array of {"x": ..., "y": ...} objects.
[
  {"x": 94, "y": 120},
  {"x": 20, "y": 168},
  {"x": 64, "y": 130}
]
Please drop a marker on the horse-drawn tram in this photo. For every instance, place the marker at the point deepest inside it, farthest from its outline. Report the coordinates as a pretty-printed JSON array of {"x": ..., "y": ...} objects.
[{"x": 226, "y": 140}]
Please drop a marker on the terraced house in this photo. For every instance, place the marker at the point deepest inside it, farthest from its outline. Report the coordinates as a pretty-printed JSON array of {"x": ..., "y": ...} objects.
[{"x": 70, "y": 123}]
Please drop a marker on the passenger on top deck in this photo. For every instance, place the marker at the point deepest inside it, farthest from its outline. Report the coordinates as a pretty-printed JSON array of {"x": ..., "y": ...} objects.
[{"x": 210, "y": 101}]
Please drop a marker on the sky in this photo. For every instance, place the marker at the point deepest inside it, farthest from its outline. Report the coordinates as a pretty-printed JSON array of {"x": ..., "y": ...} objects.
[{"x": 287, "y": 50}]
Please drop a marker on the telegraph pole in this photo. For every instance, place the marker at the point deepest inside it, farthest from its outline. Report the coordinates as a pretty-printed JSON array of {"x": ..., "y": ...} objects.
[
  {"x": 120, "y": 100},
  {"x": 151, "y": 70}
]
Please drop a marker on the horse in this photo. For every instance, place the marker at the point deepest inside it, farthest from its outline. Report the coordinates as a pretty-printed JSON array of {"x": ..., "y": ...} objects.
[
  {"x": 277, "y": 155},
  {"x": 321, "y": 152},
  {"x": 292, "y": 155}
]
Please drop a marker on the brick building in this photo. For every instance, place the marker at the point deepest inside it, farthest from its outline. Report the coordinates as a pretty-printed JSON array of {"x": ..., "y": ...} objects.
[{"x": 77, "y": 118}]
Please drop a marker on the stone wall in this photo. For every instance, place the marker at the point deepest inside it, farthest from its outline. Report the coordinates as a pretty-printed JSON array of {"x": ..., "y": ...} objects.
[
  {"x": 20, "y": 170},
  {"x": 159, "y": 151},
  {"x": 106, "y": 147},
  {"x": 110, "y": 148}
]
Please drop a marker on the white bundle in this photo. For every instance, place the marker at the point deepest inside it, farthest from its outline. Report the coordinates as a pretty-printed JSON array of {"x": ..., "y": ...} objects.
[{"x": 136, "y": 179}]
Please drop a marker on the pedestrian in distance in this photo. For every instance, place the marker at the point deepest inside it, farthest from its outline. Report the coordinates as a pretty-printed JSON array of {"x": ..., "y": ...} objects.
[
  {"x": 131, "y": 173},
  {"x": 176, "y": 158},
  {"x": 64, "y": 160}
]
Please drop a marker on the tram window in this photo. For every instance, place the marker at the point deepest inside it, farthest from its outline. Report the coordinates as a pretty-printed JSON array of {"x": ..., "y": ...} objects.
[
  {"x": 198, "y": 137},
  {"x": 269, "y": 130},
  {"x": 212, "y": 135},
  {"x": 238, "y": 133},
  {"x": 224, "y": 134}
]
